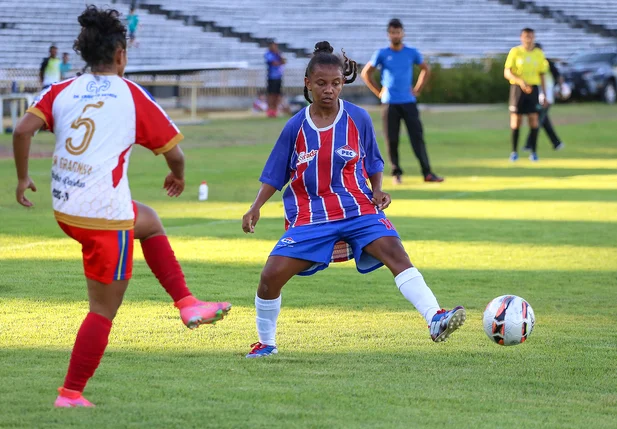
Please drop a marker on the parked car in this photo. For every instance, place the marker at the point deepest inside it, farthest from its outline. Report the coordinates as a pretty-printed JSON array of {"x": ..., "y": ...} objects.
[{"x": 592, "y": 74}]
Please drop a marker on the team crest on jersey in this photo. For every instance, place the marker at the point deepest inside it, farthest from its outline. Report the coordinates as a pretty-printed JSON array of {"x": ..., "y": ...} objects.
[
  {"x": 96, "y": 88},
  {"x": 287, "y": 241},
  {"x": 304, "y": 157},
  {"x": 346, "y": 152}
]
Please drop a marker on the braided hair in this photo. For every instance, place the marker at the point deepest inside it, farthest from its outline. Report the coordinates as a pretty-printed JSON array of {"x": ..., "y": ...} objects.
[{"x": 323, "y": 55}]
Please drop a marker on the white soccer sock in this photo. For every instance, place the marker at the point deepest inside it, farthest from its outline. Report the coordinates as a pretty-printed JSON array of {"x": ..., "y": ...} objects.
[
  {"x": 267, "y": 312},
  {"x": 413, "y": 287}
]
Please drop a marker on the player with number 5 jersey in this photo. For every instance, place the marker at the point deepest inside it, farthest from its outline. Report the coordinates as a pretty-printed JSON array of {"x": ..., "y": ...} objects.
[
  {"x": 97, "y": 118},
  {"x": 327, "y": 154}
]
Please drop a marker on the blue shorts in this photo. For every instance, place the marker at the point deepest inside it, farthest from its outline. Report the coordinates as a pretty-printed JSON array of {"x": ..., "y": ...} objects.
[{"x": 316, "y": 243}]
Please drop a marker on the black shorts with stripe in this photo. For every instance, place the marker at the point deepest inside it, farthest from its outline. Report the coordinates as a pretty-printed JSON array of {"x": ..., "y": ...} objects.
[{"x": 522, "y": 103}]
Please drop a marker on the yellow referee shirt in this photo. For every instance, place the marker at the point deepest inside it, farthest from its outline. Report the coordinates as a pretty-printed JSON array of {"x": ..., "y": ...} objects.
[{"x": 528, "y": 65}]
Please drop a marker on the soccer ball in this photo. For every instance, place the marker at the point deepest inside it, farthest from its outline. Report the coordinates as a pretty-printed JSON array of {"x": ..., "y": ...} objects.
[{"x": 508, "y": 320}]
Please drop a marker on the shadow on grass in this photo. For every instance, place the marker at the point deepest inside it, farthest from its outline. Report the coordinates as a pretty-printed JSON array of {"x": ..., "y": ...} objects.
[
  {"x": 562, "y": 195},
  {"x": 540, "y": 232},
  {"x": 340, "y": 286}
]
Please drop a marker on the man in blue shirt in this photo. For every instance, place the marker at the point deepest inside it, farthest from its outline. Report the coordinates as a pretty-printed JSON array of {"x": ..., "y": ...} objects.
[
  {"x": 275, "y": 63},
  {"x": 399, "y": 99}
]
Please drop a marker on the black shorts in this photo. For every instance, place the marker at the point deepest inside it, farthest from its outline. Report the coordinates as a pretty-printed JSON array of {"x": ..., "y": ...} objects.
[
  {"x": 274, "y": 86},
  {"x": 524, "y": 104}
]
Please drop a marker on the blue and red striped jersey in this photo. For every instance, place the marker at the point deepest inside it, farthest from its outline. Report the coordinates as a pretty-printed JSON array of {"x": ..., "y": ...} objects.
[{"x": 327, "y": 168}]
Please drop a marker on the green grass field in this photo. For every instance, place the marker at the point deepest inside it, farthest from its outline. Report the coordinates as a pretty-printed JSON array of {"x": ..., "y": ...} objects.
[{"x": 353, "y": 351}]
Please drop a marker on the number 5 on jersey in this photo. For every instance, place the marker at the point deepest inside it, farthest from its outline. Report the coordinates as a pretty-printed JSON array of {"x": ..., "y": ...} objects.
[{"x": 90, "y": 128}]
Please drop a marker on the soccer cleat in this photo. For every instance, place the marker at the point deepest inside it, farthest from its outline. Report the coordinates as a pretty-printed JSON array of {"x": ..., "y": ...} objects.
[
  {"x": 396, "y": 180},
  {"x": 195, "y": 313},
  {"x": 71, "y": 399},
  {"x": 433, "y": 178},
  {"x": 533, "y": 157},
  {"x": 560, "y": 146},
  {"x": 446, "y": 322},
  {"x": 261, "y": 350},
  {"x": 513, "y": 157}
]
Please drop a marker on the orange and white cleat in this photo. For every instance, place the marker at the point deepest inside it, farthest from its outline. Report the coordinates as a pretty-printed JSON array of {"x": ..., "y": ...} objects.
[
  {"x": 195, "y": 313},
  {"x": 71, "y": 399}
]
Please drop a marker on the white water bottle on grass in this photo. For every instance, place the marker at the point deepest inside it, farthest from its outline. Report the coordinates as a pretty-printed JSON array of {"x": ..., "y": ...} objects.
[{"x": 203, "y": 191}]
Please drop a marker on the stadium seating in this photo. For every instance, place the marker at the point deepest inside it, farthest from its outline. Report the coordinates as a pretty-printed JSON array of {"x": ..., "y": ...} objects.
[
  {"x": 597, "y": 12},
  {"x": 468, "y": 28},
  {"x": 459, "y": 28},
  {"x": 162, "y": 41}
]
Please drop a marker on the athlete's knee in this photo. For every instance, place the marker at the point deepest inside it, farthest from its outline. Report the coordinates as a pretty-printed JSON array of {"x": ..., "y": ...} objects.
[
  {"x": 148, "y": 224},
  {"x": 270, "y": 280},
  {"x": 105, "y": 309}
]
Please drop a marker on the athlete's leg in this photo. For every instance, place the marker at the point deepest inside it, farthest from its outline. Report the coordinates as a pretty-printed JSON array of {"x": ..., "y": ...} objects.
[
  {"x": 276, "y": 273},
  {"x": 91, "y": 341},
  {"x": 411, "y": 117},
  {"x": 158, "y": 252},
  {"x": 410, "y": 282},
  {"x": 162, "y": 261}
]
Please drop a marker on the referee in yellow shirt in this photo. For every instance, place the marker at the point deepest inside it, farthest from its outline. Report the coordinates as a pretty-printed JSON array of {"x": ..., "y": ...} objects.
[{"x": 525, "y": 68}]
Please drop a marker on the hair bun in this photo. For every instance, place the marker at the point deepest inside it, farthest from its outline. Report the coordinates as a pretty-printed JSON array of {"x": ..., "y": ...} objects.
[
  {"x": 323, "y": 47},
  {"x": 89, "y": 19},
  {"x": 99, "y": 19}
]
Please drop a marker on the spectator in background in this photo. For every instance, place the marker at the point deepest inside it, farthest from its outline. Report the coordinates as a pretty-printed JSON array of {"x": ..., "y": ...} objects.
[
  {"x": 49, "y": 72},
  {"x": 275, "y": 62},
  {"x": 545, "y": 122},
  {"x": 65, "y": 66},
  {"x": 399, "y": 99},
  {"x": 133, "y": 23}
]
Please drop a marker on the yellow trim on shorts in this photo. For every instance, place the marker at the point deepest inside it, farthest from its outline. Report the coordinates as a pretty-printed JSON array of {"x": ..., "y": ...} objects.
[{"x": 95, "y": 223}]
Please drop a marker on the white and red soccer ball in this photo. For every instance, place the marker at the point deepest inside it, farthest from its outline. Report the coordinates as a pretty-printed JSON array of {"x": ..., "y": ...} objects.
[{"x": 508, "y": 320}]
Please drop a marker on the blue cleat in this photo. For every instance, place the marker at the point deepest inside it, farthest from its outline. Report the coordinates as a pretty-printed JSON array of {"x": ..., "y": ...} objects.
[
  {"x": 533, "y": 157},
  {"x": 261, "y": 350},
  {"x": 513, "y": 157},
  {"x": 446, "y": 322}
]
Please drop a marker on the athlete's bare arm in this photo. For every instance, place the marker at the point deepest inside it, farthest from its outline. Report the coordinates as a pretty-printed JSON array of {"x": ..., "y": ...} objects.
[
  {"x": 250, "y": 219},
  {"x": 22, "y": 138},
  {"x": 174, "y": 182}
]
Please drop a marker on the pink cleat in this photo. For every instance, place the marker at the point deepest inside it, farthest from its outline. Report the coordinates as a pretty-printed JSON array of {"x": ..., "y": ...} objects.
[
  {"x": 194, "y": 312},
  {"x": 71, "y": 399}
]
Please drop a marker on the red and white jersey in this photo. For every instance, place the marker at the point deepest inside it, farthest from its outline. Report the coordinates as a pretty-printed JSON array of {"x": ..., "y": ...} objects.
[{"x": 96, "y": 120}]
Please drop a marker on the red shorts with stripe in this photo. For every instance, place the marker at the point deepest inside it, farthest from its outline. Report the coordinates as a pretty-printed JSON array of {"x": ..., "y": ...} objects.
[{"x": 107, "y": 254}]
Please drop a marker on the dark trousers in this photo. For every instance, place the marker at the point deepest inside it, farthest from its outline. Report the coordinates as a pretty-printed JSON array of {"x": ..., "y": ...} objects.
[
  {"x": 545, "y": 122},
  {"x": 392, "y": 115}
]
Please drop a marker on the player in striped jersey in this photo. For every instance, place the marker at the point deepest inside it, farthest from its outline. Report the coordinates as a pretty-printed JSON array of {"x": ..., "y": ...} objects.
[
  {"x": 97, "y": 118},
  {"x": 328, "y": 153}
]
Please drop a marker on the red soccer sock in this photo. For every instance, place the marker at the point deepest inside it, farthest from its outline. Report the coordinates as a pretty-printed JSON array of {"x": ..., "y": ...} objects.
[
  {"x": 87, "y": 352},
  {"x": 161, "y": 259}
]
